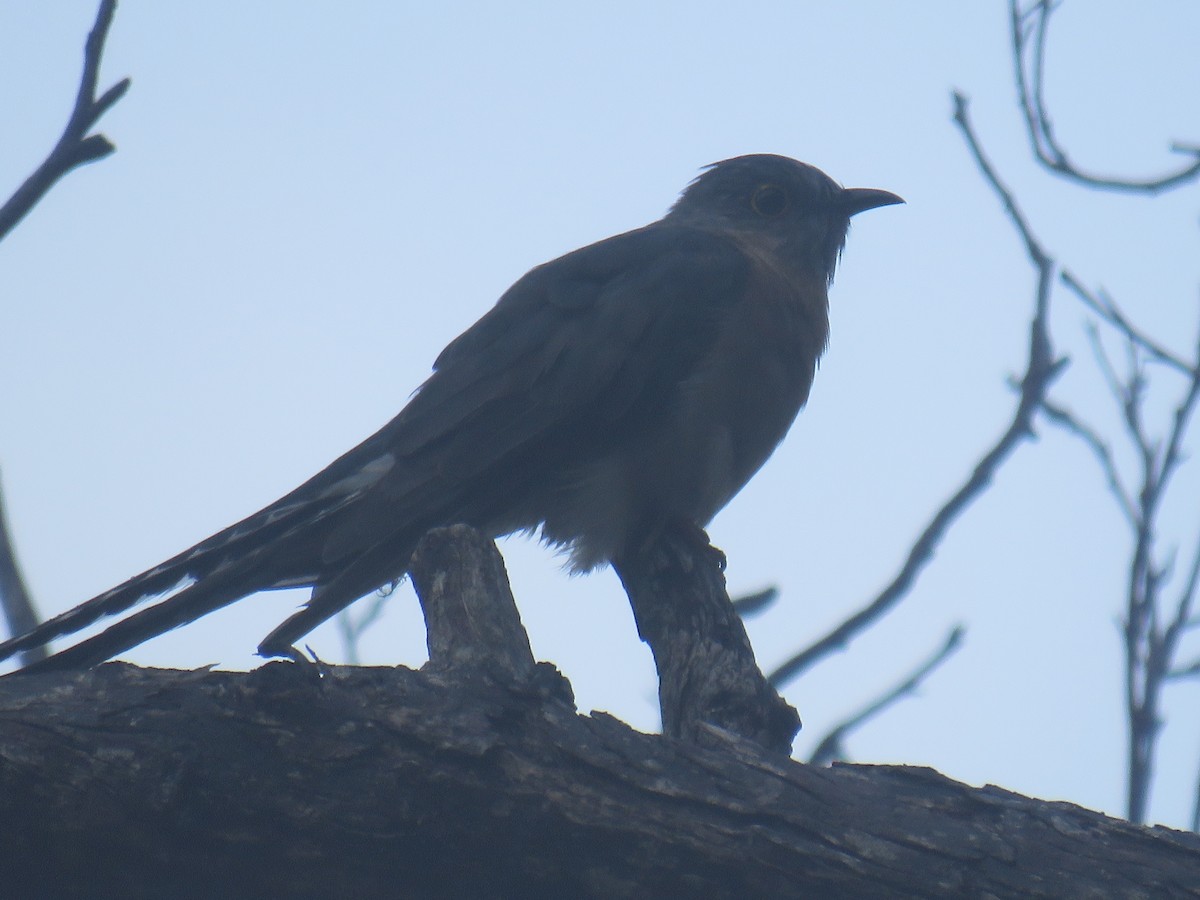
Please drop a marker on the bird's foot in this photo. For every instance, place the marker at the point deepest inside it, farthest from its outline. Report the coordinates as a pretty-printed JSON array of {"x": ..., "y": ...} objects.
[{"x": 696, "y": 539}]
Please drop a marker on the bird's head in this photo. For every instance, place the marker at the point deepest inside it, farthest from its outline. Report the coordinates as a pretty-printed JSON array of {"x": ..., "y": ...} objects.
[{"x": 800, "y": 212}]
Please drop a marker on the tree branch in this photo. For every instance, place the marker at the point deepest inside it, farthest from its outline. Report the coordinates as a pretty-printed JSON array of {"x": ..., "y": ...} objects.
[
  {"x": 298, "y": 781},
  {"x": 1104, "y": 306},
  {"x": 832, "y": 747},
  {"x": 1029, "y": 52},
  {"x": 1040, "y": 372},
  {"x": 1100, "y": 449},
  {"x": 1150, "y": 647},
  {"x": 75, "y": 147},
  {"x": 755, "y": 603},
  {"x": 351, "y": 627},
  {"x": 14, "y": 596},
  {"x": 707, "y": 674}
]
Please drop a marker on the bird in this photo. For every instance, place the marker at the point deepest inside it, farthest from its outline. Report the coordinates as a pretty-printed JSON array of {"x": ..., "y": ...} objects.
[{"x": 630, "y": 386}]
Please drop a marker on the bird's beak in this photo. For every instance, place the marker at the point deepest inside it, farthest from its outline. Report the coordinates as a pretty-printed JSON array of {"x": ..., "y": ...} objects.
[{"x": 856, "y": 200}]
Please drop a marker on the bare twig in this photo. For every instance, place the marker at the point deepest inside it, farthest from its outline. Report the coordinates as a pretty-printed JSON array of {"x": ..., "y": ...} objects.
[
  {"x": 1151, "y": 647},
  {"x": 1187, "y": 670},
  {"x": 758, "y": 602},
  {"x": 831, "y": 747},
  {"x": 1100, "y": 449},
  {"x": 1152, "y": 630},
  {"x": 1107, "y": 370},
  {"x": 1028, "y": 28},
  {"x": 1172, "y": 459},
  {"x": 1180, "y": 420},
  {"x": 1041, "y": 370},
  {"x": 1187, "y": 596},
  {"x": 14, "y": 596},
  {"x": 1103, "y": 306},
  {"x": 351, "y": 628},
  {"x": 75, "y": 147}
]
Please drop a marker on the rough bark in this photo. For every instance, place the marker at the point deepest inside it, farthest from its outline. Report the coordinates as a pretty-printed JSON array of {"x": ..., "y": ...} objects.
[
  {"x": 475, "y": 777},
  {"x": 371, "y": 782},
  {"x": 707, "y": 674}
]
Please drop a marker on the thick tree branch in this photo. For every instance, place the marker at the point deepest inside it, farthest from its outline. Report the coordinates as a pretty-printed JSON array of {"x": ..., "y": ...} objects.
[
  {"x": 707, "y": 674},
  {"x": 299, "y": 781},
  {"x": 476, "y": 777},
  {"x": 471, "y": 618},
  {"x": 75, "y": 147}
]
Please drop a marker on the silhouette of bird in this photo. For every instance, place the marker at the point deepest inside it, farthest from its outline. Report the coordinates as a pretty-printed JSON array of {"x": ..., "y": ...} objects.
[{"x": 629, "y": 386}]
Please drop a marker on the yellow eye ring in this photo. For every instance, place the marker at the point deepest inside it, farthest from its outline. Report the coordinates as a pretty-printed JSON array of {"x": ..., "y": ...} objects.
[{"x": 769, "y": 201}]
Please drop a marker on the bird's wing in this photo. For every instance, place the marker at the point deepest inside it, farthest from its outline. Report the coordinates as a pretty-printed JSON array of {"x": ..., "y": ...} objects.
[
  {"x": 575, "y": 355},
  {"x": 575, "y": 349}
]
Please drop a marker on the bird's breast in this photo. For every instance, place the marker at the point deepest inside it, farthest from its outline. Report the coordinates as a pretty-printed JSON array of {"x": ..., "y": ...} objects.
[
  {"x": 739, "y": 405},
  {"x": 722, "y": 423}
]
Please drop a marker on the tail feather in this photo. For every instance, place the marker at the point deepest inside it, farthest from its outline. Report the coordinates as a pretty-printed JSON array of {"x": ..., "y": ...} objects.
[
  {"x": 111, "y": 602},
  {"x": 225, "y": 551},
  {"x": 186, "y": 606}
]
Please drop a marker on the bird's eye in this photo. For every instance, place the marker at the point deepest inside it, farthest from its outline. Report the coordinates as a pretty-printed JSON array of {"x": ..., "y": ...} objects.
[{"x": 769, "y": 200}]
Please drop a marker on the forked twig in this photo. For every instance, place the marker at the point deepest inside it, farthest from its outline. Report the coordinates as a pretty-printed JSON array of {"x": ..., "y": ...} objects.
[{"x": 75, "y": 147}]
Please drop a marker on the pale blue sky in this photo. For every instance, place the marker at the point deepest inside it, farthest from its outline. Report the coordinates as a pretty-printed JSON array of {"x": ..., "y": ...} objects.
[{"x": 310, "y": 200}]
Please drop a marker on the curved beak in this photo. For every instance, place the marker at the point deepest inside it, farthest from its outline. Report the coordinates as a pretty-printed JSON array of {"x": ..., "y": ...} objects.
[{"x": 856, "y": 200}]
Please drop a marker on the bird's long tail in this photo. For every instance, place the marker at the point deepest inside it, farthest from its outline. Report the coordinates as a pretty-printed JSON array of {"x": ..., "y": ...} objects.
[
  {"x": 190, "y": 604},
  {"x": 117, "y": 600},
  {"x": 224, "y": 567}
]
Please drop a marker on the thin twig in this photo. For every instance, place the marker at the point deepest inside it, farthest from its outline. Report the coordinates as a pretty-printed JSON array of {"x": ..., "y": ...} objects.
[
  {"x": 758, "y": 602},
  {"x": 1127, "y": 392},
  {"x": 75, "y": 147},
  {"x": 1032, "y": 101},
  {"x": 831, "y": 747},
  {"x": 1107, "y": 370},
  {"x": 1180, "y": 420},
  {"x": 1037, "y": 120},
  {"x": 1182, "y": 619},
  {"x": 14, "y": 596},
  {"x": 1171, "y": 461},
  {"x": 351, "y": 628},
  {"x": 1064, "y": 418},
  {"x": 1103, "y": 306},
  {"x": 1041, "y": 370},
  {"x": 1150, "y": 648},
  {"x": 1185, "y": 671}
]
